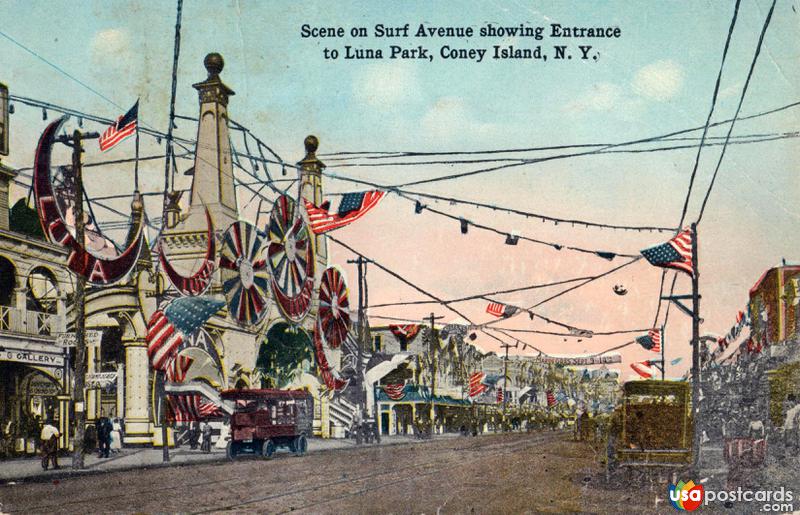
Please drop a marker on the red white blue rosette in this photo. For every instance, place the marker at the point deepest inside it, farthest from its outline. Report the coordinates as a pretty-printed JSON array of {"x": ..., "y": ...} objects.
[
  {"x": 291, "y": 259},
  {"x": 334, "y": 307},
  {"x": 244, "y": 273}
]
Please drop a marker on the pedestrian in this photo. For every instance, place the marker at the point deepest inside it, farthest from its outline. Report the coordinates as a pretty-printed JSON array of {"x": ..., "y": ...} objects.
[
  {"x": 116, "y": 436},
  {"x": 104, "y": 428},
  {"x": 205, "y": 429},
  {"x": 49, "y": 438}
]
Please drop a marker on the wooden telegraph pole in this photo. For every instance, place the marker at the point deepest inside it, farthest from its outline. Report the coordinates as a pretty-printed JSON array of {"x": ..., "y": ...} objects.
[
  {"x": 696, "y": 376},
  {"x": 361, "y": 263},
  {"x": 432, "y": 353},
  {"x": 78, "y": 397},
  {"x": 505, "y": 379}
]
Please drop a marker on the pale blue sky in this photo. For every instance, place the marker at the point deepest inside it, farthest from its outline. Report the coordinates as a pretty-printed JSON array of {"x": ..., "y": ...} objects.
[{"x": 658, "y": 77}]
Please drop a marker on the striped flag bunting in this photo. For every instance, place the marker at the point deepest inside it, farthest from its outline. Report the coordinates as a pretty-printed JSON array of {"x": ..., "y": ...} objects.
[
  {"x": 476, "y": 384},
  {"x": 189, "y": 408},
  {"x": 124, "y": 127},
  {"x": 407, "y": 331},
  {"x": 499, "y": 395},
  {"x": 742, "y": 320},
  {"x": 644, "y": 368},
  {"x": 651, "y": 341},
  {"x": 676, "y": 253},
  {"x": 499, "y": 309},
  {"x": 551, "y": 399},
  {"x": 352, "y": 207},
  {"x": 177, "y": 367},
  {"x": 168, "y": 328},
  {"x": 395, "y": 391}
]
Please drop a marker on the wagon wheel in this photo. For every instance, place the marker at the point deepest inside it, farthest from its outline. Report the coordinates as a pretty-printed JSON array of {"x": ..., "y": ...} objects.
[
  {"x": 334, "y": 307},
  {"x": 300, "y": 445},
  {"x": 244, "y": 273},
  {"x": 268, "y": 449},
  {"x": 291, "y": 259}
]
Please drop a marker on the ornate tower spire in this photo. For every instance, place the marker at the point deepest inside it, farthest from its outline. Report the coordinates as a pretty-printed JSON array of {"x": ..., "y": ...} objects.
[{"x": 212, "y": 184}]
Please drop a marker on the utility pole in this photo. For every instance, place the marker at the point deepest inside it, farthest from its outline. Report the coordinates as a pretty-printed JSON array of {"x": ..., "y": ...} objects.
[
  {"x": 78, "y": 397},
  {"x": 663, "y": 361},
  {"x": 505, "y": 379},
  {"x": 361, "y": 263},
  {"x": 432, "y": 354},
  {"x": 696, "y": 376}
]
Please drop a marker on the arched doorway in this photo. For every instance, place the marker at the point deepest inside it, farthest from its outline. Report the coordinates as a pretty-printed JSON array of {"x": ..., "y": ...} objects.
[
  {"x": 28, "y": 397},
  {"x": 284, "y": 355},
  {"x": 8, "y": 281}
]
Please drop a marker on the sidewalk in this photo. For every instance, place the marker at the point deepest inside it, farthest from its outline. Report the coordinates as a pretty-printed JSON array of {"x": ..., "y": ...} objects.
[{"x": 30, "y": 469}]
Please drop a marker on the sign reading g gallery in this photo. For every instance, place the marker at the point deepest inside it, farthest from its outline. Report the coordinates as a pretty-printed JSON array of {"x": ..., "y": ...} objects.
[{"x": 42, "y": 359}]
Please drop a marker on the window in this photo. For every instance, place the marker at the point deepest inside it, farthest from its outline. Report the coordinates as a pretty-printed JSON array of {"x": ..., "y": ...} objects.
[
  {"x": 403, "y": 345},
  {"x": 376, "y": 343}
]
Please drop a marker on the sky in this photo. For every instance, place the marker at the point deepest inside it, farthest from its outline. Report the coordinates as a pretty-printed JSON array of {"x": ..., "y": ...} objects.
[{"x": 658, "y": 77}]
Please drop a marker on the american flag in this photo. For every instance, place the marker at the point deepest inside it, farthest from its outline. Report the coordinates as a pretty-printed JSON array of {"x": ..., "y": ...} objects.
[
  {"x": 644, "y": 369},
  {"x": 676, "y": 253},
  {"x": 177, "y": 367},
  {"x": 407, "y": 331},
  {"x": 189, "y": 408},
  {"x": 499, "y": 394},
  {"x": 395, "y": 391},
  {"x": 123, "y": 128},
  {"x": 352, "y": 207},
  {"x": 168, "y": 328},
  {"x": 551, "y": 399},
  {"x": 476, "y": 384},
  {"x": 499, "y": 309},
  {"x": 651, "y": 341}
]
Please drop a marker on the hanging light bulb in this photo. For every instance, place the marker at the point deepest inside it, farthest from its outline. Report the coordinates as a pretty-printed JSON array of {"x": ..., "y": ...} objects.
[
  {"x": 44, "y": 114},
  {"x": 80, "y": 122},
  {"x": 283, "y": 170},
  {"x": 512, "y": 239},
  {"x": 418, "y": 207},
  {"x": 10, "y": 108},
  {"x": 158, "y": 139},
  {"x": 464, "y": 226}
]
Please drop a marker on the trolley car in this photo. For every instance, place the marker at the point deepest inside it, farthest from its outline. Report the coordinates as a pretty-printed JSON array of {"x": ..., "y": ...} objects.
[
  {"x": 264, "y": 420},
  {"x": 656, "y": 424}
]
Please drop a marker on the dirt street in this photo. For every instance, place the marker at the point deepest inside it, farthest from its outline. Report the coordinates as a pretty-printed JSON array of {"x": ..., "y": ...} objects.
[{"x": 508, "y": 473}]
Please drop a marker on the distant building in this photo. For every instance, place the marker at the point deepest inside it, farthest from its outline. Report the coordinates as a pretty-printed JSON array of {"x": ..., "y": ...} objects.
[{"x": 775, "y": 305}]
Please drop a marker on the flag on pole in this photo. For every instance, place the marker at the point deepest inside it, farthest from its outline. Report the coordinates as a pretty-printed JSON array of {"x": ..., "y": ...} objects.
[
  {"x": 499, "y": 309},
  {"x": 395, "y": 391},
  {"x": 124, "y": 127},
  {"x": 651, "y": 341},
  {"x": 352, "y": 207},
  {"x": 551, "y": 399},
  {"x": 676, "y": 253},
  {"x": 476, "y": 384},
  {"x": 644, "y": 369}
]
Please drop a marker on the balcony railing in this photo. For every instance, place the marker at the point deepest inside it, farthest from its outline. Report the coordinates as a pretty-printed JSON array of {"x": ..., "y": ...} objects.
[{"x": 13, "y": 320}]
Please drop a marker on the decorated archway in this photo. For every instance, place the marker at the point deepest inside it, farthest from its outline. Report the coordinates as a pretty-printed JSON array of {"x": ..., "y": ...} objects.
[{"x": 285, "y": 353}]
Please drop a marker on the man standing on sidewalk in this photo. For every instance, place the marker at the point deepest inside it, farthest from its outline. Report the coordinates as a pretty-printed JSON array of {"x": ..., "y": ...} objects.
[{"x": 49, "y": 439}]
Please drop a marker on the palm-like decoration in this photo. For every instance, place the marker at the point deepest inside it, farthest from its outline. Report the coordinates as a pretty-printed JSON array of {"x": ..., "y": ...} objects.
[
  {"x": 334, "y": 307},
  {"x": 291, "y": 259},
  {"x": 244, "y": 273}
]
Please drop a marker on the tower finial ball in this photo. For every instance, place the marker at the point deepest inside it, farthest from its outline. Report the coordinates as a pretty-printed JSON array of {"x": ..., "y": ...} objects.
[
  {"x": 214, "y": 63},
  {"x": 312, "y": 143}
]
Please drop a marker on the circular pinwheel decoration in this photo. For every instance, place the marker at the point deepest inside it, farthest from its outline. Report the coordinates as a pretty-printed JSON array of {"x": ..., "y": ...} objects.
[
  {"x": 334, "y": 307},
  {"x": 291, "y": 259},
  {"x": 244, "y": 274}
]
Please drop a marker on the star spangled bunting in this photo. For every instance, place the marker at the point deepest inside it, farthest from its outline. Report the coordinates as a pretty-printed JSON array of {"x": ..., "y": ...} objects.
[
  {"x": 406, "y": 331},
  {"x": 499, "y": 395},
  {"x": 676, "y": 253},
  {"x": 476, "y": 384},
  {"x": 395, "y": 391},
  {"x": 651, "y": 341},
  {"x": 352, "y": 207},
  {"x": 190, "y": 408},
  {"x": 168, "y": 328},
  {"x": 551, "y": 399},
  {"x": 124, "y": 127},
  {"x": 177, "y": 367},
  {"x": 499, "y": 309}
]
